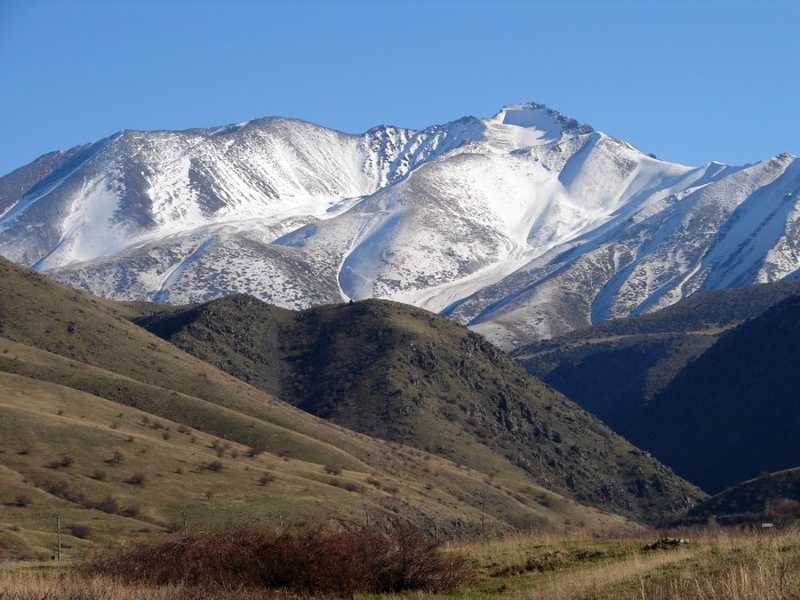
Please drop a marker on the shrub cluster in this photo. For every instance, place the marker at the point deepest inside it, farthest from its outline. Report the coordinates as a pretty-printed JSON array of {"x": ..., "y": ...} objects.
[
  {"x": 314, "y": 561},
  {"x": 109, "y": 504},
  {"x": 58, "y": 463}
]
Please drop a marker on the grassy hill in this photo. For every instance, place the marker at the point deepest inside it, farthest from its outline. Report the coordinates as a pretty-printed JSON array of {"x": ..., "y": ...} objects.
[
  {"x": 617, "y": 367},
  {"x": 406, "y": 375},
  {"x": 125, "y": 435},
  {"x": 732, "y": 412}
]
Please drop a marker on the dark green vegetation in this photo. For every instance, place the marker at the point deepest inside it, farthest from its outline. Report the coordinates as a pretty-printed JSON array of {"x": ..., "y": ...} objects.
[
  {"x": 124, "y": 436},
  {"x": 614, "y": 368},
  {"x": 733, "y": 412},
  {"x": 770, "y": 497},
  {"x": 402, "y": 374}
]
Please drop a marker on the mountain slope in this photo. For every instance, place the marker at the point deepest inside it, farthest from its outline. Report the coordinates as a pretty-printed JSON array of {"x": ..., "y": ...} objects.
[
  {"x": 732, "y": 413},
  {"x": 115, "y": 429},
  {"x": 523, "y": 225},
  {"x": 769, "y": 497},
  {"x": 406, "y": 375},
  {"x": 615, "y": 368}
]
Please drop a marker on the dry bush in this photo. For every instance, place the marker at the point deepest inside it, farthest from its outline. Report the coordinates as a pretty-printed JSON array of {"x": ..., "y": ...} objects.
[{"x": 342, "y": 562}]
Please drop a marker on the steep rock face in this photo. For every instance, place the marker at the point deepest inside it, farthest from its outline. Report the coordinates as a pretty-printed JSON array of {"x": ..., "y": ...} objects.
[{"x": 522, "y": 225}]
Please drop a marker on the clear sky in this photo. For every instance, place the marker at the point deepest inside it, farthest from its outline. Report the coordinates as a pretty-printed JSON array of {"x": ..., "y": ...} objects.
[{"x": 690, "y": 82}]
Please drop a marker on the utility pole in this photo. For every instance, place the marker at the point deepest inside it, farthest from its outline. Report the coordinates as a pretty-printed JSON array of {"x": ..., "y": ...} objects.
[
  {"x": 58, "y": 529},
  {"x": 483, "y": 517}
]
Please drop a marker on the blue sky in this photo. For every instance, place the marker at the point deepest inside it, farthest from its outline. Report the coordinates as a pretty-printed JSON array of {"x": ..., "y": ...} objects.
[{"x": 690, "y": 82}]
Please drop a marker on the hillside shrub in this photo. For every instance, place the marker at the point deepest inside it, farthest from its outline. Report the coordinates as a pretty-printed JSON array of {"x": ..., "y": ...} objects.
[
  {"x": 135, "y": 479},
  {"x": 80, "y": 531},
  {"x": 22, "y": 501},
  {"x": 215, "y": 466},
  {"x": 304, "y": 560},
  {"x": 266, "y": 478},
  {"x": 253, "y": 452},
  {"x": 333, "y": 469},
  {"x": 58, "y": 463}
]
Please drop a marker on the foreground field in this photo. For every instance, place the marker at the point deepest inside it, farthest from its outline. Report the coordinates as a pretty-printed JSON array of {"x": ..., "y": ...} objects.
[{"x": 712, "y": 566}]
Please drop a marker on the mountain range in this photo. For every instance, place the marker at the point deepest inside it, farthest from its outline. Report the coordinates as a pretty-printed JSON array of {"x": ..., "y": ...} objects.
[{"x": 523, "y": 225}]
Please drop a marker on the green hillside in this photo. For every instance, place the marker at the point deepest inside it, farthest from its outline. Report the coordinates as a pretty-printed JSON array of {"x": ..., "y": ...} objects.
[
  {"x": 124, "y": 435},
  {"x": 405, "y": 375}
]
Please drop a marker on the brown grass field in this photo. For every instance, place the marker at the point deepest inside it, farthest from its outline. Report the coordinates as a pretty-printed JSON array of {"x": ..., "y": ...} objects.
[{"x": 714, "y": 565}]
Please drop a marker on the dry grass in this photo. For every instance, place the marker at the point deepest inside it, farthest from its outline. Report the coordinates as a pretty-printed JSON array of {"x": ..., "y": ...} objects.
[
  {"x": 70, "y": 586},
  {"x": 715, "y": 565},
  {"x": 595, "y": 581},
  {"x": 760, "y": 568}
]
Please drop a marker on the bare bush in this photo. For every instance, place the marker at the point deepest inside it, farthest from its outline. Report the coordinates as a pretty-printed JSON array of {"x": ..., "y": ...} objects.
[{"x": 300, "y": 560}]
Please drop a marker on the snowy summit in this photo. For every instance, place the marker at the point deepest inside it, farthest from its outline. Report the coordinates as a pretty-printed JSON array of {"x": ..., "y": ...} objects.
[{"x": 524, "y": 224}]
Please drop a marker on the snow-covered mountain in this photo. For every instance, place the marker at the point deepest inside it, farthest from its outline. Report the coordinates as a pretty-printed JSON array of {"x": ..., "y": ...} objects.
[{"x": 524, "y": 224}]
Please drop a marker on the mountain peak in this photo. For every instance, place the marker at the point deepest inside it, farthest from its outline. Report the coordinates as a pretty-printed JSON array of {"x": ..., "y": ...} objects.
[{"x": 534, "y": 115}]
